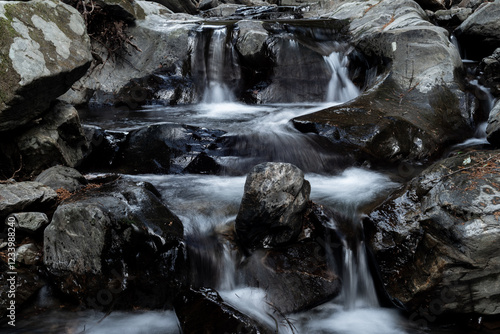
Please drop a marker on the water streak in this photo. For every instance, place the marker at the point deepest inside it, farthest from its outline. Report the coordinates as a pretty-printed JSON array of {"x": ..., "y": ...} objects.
[{"x": 340, "y": 88}]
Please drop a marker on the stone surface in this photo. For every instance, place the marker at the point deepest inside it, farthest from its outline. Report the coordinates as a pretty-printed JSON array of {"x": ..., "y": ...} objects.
[
  {"x": 58, "y": 139},
  {"x": 180, "y": 6},
  {"x": 274, "y": 200},
  {"x": 417, "y": 107},
  {"x": 44, "y": 50},
  {"x": 30, "y": 222},
  {"x": 25, "y": 196},
  {"x": 62, "y": 177},
  {"x": 436, "y": 239},
  {"x": 28, "y": 254},
  {"x": 204, "y": 311},
  {"x": 118, "y": 238},
  {"x": 480, "y": 33},
  {"x": 493, "y": 128},
  {"x": 490, "y": 69}
]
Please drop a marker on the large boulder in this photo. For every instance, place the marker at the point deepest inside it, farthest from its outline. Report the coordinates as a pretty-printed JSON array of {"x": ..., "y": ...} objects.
[
  {"x": 417, "y": 106},
  {"x": 57, "y": 139},
  {"x": 490, "y": 69},
  {"x": 479, "y": 35},
  {"x": 273, "y": 204},
  {"x": 436, "y": 240},
  {"x": 44, "y": 49},
  {"x": 62, "y": 177},
  {"x": 116, "y": 242}
]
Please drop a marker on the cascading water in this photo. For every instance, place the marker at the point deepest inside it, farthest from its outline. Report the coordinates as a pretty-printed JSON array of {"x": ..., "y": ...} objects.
[{"x": 340, "y": 87}]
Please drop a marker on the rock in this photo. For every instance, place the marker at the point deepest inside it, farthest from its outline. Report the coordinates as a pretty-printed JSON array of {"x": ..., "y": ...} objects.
[
  {"x": 117, "y": 242},
  {"x": 121, "y": 9},
  {"x": 490, "y": 69},
  {"x": 435, "y": 4},
  {"x": 295, "y": 278},
  {"x": 163, "y": 40},
  {"x": 27, "y": 284},
  {"x": 251, "y": 39},
  {"x": 169, "y": 148},
  {"x": 25, "y": 196},
  {"x": 62, "y": 177},
  {"x": 44, "y": 49},
  {"x": 415, "y": 109},
  {"x": 223, "y": 10},
  {"x": 104, "y": 146},
  {"x": 208, "y": 4},
  {"x": 204, "y": 311},
  {"x": 30, "y": 222},
  {"x": 57, "y": 139},
  {"x": 180, "y": 6},
  {"x": 450, "y": 17},
  {"x": 28, "y": 254},
  {"x": 479, "y": 35},
  {"x": 273, "y": 203},
  {"x": 436, "y": 239},
  {"x": 493, "y": 128}
]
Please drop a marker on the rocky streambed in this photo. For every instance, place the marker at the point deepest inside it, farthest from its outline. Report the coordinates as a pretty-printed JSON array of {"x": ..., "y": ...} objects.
[{"x": 249, "y": 166}]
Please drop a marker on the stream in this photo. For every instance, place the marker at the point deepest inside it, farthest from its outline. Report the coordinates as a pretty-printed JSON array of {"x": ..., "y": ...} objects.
[{"x": 205, "y": 202}]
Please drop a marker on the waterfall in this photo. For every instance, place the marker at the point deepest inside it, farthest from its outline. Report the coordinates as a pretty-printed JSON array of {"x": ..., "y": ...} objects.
[
  {"x": 214, "y": 61},
  {"x": 340, "y": 87}
]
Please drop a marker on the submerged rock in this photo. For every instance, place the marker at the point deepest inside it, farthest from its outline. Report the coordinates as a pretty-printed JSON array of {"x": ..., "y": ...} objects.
[
  {"x": 44, "y": 50},
  {"x": 272, "y": 207},
  {"x": 436, "y": 240},
  {"x": 117, "y": 243}
]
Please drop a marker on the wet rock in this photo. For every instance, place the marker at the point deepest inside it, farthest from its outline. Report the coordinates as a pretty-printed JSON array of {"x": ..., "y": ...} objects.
[
  {"x": 29, "y": 222},
  {"x": 180, "y": 6},
  {"x": 450, "y": 17},
  {"x": 490, "y": 69},
  {"x": 25, "y": 196},
  {"x": 251, "y": 38},
  {"x": 479, "y": 35},
  {"x": 406, "y": 115},
  {"x": 104, "y": 146},
  {"x": 273, "y": 203},
  {"x": 57, "y": 139},
  {"x": 436, "y": 239},
  {"x": 169, "y": 148},
  {"x": 117, "y": 243},
  {"x": 204, "y": 311},
  {"x": 121, "y": 9},
  {"x": 493, "y": 128},
  {"x": 295, "y": 278},
  {"x": 62, "y": 177},
  {"x": 32, "y": 79},
  {"x": 435, "y": 4},
  {"x": 223, "y": 10}
]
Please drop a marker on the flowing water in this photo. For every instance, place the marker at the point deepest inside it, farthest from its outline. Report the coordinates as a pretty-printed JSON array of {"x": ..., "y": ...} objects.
[{"x": 206, "y": 202}]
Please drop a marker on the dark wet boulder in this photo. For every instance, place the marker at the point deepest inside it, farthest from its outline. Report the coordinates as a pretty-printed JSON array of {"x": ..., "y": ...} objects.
[
  {"x": 204, "y": 311},
  {"x": 169, "y": 148},
  {"x": 479, "y": 35},
  {"x": 490, "y": 69},
  {"x": 436, "y": 239},
  {"x": 62, "y": 177},
  {"x": 295, "y": 277},
  {"x": 493, "y": 127},
  {"x": 435, "y": 4},
  {"x": 115, "y": 244},
  {"x": 57, "y": 139},
  {"x": 25, "y": 196},
  {"x": 44, "y": 50},
  {"x": 417, "y": 107},
  {"x": 274, "y": 200}
]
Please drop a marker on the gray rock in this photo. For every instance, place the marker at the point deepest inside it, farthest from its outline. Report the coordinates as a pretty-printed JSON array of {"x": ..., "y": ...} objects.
[
  {"x": 120, "y": 9},
  {"x": 223, "y": 10},
  {"x": 493, "y": 128},
  {"x": 25, "y": 196},
  {"x": 490, "y": 68},
  {"x": 272, "y": 207},
  {"x": 44, "y": 49},
  {"x": 208, "y": 4},
  {"x": 180, "y": 6},
  {"x": 436, "y": 240},
  {"x": 28, "y": 254},
  {"x": 58, "y": 139},
  {"x": 30, "y": 222},
  {"x": 480, "y": 33},
  {"x": 119, "y": 234},
  {"x": 251, "y": 39},
  {"x": 451, "y": 17},
  {"x": 62, "y": 177}
]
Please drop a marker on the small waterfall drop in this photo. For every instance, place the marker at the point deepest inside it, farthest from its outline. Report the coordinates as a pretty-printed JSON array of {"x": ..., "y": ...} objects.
[
  {"x": 340, "y": 87},
  {"x": 215, "y": 64}
]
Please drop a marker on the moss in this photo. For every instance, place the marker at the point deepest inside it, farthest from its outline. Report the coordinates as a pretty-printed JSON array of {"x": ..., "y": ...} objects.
[{"x": 8, "y": 78}]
